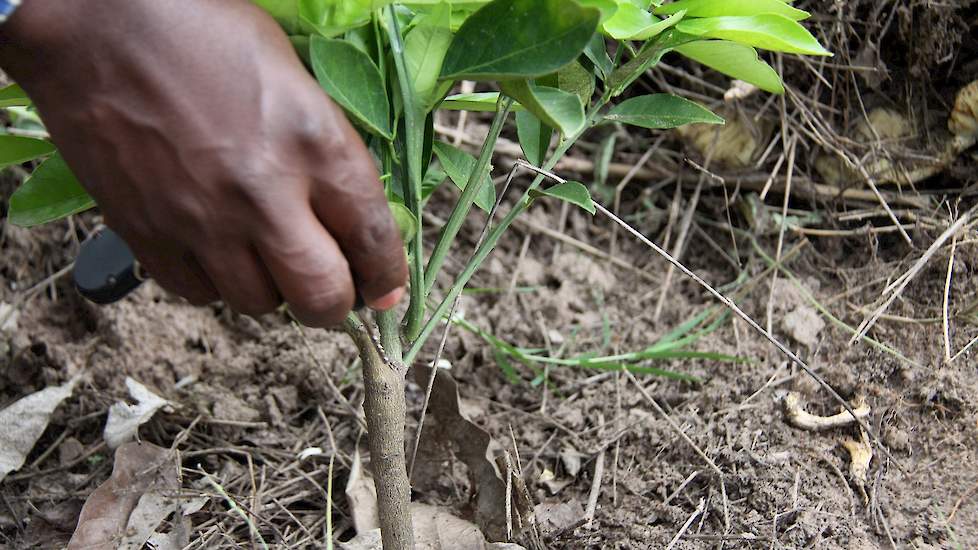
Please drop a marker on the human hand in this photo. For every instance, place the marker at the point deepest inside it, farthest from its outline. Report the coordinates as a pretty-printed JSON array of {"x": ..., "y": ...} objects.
[{"x": 211, "y": 151}]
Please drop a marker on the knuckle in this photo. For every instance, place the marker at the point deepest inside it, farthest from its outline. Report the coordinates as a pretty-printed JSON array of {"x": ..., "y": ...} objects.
[{"x": 376, "y": 233}]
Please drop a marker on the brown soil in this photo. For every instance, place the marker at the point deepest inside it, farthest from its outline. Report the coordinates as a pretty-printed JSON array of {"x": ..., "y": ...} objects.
[{"x": 259, "y": 398}]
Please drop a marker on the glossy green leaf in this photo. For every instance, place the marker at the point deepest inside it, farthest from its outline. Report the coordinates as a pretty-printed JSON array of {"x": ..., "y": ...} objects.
[
  {"x": 634, "y": 23},
  {"x": 459, "y": 165},
  {"x": 286, "y": 12},
  {"x": 353, "y": 81},
  {"x": 407, "y": 225},
  {"x": 661, "y": 111},
  {"x": 534, "y": 137},
  {"x": 606, "y": 7},
  {"x": 721, "y": 8},
  {"x": 735, "y": 60},
  {"x": 480, "y": 102},
  {"x": 597, "y": 52},
  {"x": 51, "y": 193},
  {"x": 17, "y": 149},
  {"x": 425, "y": 47},
  {"x": 331, "y": 18},
  {"x": 572, "y": 191},
  {"x": 560, "y": 110},
  {"x": 767, "y": 31},
  {"x": 14, "y": 96},
  {"x": 509, "y": 39}
]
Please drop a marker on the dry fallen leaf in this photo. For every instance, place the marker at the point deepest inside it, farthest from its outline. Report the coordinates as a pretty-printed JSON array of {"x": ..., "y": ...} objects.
[
  {"x": 125, "y": 419},
  {"x": 963, "y": 122},
  {"x": 24, "y": 421},
  {"x": 732, "y": 145},
  {"x": 472, "y": 446},
  {"x": 434, "y": 529},
  {"x": 361, "y": 494},
  {"x": 124, "y": 511},
  {"x": 860, "y": 455}
]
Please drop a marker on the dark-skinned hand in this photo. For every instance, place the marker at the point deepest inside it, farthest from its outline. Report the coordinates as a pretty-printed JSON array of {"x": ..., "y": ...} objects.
[{"x": 211, "y": 151}]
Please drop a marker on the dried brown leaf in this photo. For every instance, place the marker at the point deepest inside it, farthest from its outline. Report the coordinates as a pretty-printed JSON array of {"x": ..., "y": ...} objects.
[
  {"x": 361, "y": 494},
  {"x": 24, "y": 422},
  {"x": 125, "y": 419},
  {"x": 124, "y": 511},
  {"x": 435, "y": 528},
  {"x": 472, "y": 446}
]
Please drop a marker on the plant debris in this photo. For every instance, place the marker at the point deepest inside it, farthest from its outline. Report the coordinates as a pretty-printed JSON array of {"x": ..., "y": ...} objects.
[
  {"x": 800, "y": 418},
  {"x": 125, "y": 419},
  {"x": 25, "y": 421},
  {"x": 472, "y": 444},
  {"x": 125, "y": 511}
]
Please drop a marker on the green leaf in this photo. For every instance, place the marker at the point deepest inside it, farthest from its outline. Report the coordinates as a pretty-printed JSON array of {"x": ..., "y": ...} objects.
[
  {"x": 650, "y": 54},
  {"x": 720, "y": 8},
  {"x": 509, "y": 39},
  {"x": 425, "y": 47},
  {"x": 459, "y": 165},
  {"x": 634, "y": 23},
  {"x": 480, "y": 102},
  {"x": 571, "y": 191},
  {"x": 606, "y": 7},
  {"x": 286, "y": 12},
  {"x": 576, "y": 79},
  {"x": 661, "y": 111},
  {"x": 407, "y": 225},
  {"x": 597, "y": 52},
  {"x": 534, "y": 137},
  {"x": 767, "y": 31},
  {"x": 352, "y": 79},
  {"x": 735, "y": 60},
  {"x": 17, "y": 149},
  {"x": 14, "y": 96},
  {"x": 334, "y": 17},
  {"x": 432, "y": 180},
  {"x": 51, "y": 193},
  {"x": 558, "y": 109}
]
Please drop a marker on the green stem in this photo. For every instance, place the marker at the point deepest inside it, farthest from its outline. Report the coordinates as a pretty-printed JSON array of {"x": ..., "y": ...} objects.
[
  {"x": 471, "y": 191},
  {"x": 413, "y": 139},
  {"x": 496, "y": 233},
  {"x": 390, "y": 335}
]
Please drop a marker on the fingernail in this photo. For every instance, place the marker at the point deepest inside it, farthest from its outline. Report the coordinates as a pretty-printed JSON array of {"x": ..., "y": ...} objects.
[{"x": 388, "y": 300}]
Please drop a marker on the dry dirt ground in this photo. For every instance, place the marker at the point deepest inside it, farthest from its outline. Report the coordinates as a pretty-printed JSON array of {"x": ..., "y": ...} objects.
[{"x": 728, "y": 471}]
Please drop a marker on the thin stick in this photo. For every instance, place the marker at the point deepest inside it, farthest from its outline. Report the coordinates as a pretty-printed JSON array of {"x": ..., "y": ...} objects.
[
  {"x": 448, "y": 326},
  {"x": 781, "y": 230},
  {"x": 947, "y": 300},
  {"x": 329, "y": 379},
  {"x": 682, "y": 531},
  {"x": 592, "y": 499},
  {"x": 236, "y": 509},
  {"x": 739, "y": 312},
  {"x": 896, "y": 288}
]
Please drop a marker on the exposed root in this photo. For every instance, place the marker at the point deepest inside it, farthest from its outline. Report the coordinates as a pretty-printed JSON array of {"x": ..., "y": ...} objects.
[{"x": 800, "y": 418}]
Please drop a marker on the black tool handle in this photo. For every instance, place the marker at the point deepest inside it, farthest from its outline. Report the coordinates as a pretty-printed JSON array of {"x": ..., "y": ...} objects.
[{"x": 106, "y": 270}]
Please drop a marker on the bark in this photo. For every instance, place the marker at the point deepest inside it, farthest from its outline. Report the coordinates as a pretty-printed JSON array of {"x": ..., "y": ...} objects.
[{"x": 383, "y": 379}]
